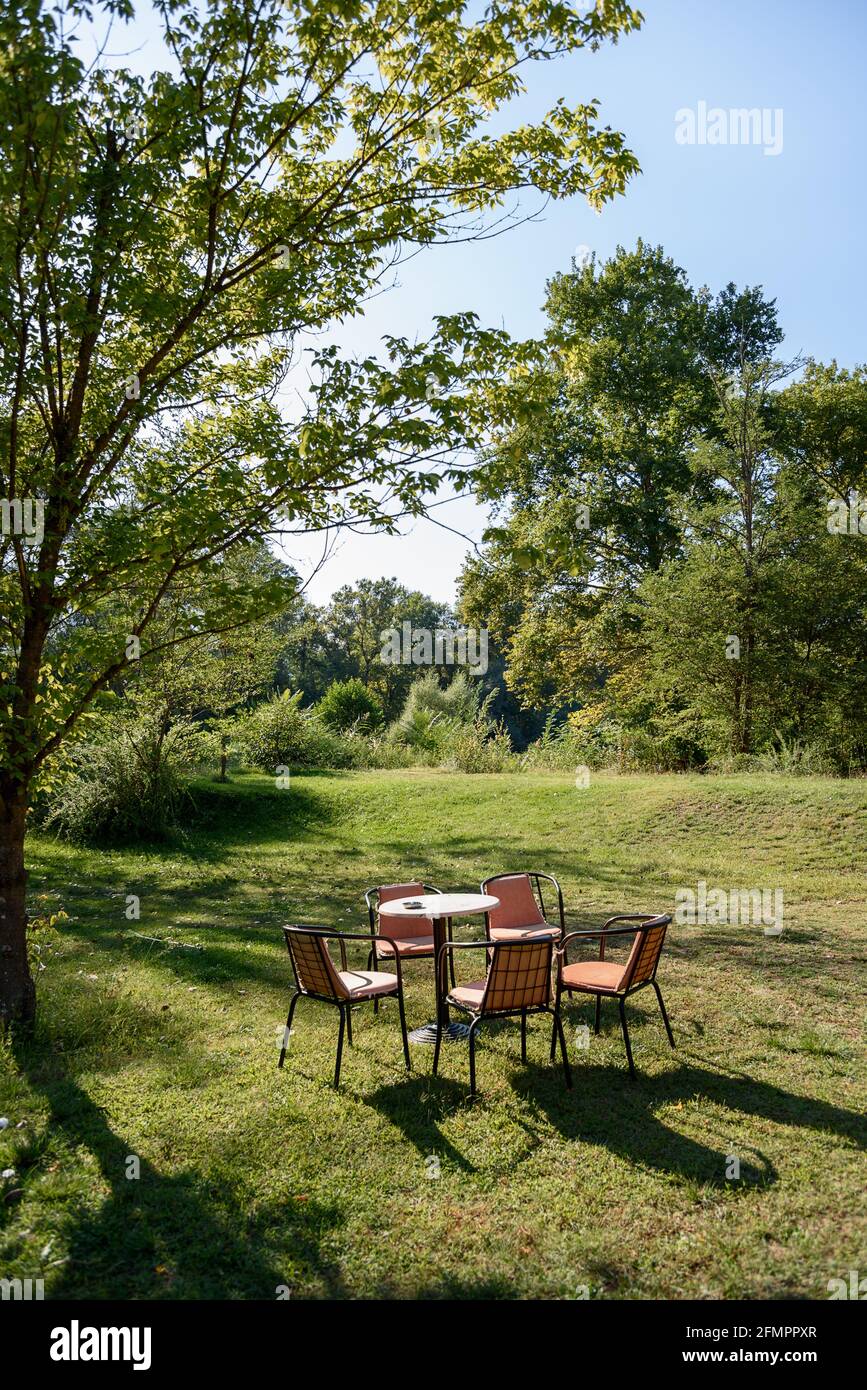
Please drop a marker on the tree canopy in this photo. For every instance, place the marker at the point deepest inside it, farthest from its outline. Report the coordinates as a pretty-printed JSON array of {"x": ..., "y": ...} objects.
[{"x": 166, "y": 241}]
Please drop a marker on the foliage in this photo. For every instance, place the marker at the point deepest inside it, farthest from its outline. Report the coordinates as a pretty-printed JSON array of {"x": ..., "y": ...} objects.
[
  {"x": 430, "y": 705},
  {"x": 129, "y": 783},
  {"x": 664, "y": 572},
  {"x": 474, "y": 748},
  {"x": 216, "y": 268},
  {"x": 279, "y": 734},
  {"x": 356, "y": 622},
  {"x": 349, "y": 704},
  {"x": 43, "y": 937}
]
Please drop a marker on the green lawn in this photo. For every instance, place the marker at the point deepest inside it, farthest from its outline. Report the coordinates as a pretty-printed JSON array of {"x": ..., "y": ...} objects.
[{"x": 252, "y": 1179}]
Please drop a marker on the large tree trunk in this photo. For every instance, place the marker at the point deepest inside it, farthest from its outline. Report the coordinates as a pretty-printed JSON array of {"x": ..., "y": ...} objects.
[{"x": 17, "y": 990}]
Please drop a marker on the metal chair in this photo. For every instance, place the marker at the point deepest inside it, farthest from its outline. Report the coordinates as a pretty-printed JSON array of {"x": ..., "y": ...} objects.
[
  {"x": 521, "y": 913},
  {"x": 316, "y": 977},
  {"x": 413, "y": 940},
  {"x": 518, "y": 982},
  {"x": 606, "y": 979}
]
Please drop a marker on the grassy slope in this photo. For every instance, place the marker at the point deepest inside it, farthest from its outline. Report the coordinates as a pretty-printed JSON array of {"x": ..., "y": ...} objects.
[{"x": 252, "y": 1179}]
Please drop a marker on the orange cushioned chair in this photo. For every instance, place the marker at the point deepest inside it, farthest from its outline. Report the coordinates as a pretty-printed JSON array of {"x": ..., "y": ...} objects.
[
  {"x": 317, "y": 977},
  {"x": 607, "y": 979},
  {"x": 520, "y": 917},
  {"x": 518, "y": 982},
  {"x": 412, "y": 936}
]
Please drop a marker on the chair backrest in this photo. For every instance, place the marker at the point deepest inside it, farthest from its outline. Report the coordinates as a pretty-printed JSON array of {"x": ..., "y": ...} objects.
[
  {"x": 314, "y": 968},
  {"x": 403, "y": 927},
  {"x": 519, "y": 976},
  {"x": 518, "y": 906},
  {"x": 645, "y": 953}
]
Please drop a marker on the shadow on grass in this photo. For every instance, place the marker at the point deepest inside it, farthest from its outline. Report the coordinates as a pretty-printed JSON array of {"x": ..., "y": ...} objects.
[
  {"x": 418, "y": 1107},
  {"x": 170, "y": 1237},
  {"x": 608, "y": 1109}
]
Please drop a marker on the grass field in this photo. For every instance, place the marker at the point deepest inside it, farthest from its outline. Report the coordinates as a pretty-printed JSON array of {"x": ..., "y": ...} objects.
[{"x": 253, "y": 1180}]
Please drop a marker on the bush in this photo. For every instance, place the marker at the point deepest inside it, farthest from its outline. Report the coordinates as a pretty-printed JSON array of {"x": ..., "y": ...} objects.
[
  {"x": 473, "y": 748},
  {"x": 275, "y": 733},
  {"x": 559, "y": 748},
  {"x": 433, "y": 712},
  {"x": 350, "y": 705},
  {"x": 430, "y": 704},
  {"x": 278, "y": 733},
  {"x": 128, "y": 783},
  {"x": 788, "y": 758}
]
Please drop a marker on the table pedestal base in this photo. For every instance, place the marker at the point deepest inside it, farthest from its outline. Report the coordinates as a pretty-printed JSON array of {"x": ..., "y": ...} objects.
[{"x": 453, "y": 1032}]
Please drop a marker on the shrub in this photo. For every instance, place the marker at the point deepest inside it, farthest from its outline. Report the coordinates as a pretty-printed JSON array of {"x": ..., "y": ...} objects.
[
  {"x": 790, "y": 758},
  {"x": 278, "y": 733},
  {"x": 559, "y": 748},
  {"x": 274, "y": 733},
  {"x": 431, "y": 710},
  {"x": 349, "y": 705},
  {"x": 128, "y": 782},
  {"x": 473, "y": 748}
]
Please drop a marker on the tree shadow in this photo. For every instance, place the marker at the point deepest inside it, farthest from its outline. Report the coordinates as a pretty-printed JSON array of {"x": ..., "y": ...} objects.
[{"x": 164, "y": 1237}]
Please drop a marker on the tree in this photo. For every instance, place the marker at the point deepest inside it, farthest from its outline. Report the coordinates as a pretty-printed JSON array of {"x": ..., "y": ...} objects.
[
  {"x": 355, "y": 621},
  {"x": 592, "y": 482},
  {"x": 821, "y": 426},
  {"x": 659, "y": 401},
  {"x": 212, "y": 677},
  {"x": 164, "y": 245},
  {"x": 800, "y": 597},
  {"x": 306, "y": 661}
]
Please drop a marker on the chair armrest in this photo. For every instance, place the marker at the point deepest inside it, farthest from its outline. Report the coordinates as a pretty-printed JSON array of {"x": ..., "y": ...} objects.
[
  {"x": 465, "y": 946},
  {"x": 633, "y": 917},
  {"x": 642, "y": 920},
  {"x": 601, "y": 932},
  {"x": 346, "y": 935},
  {"x": 484, "y": 945}
]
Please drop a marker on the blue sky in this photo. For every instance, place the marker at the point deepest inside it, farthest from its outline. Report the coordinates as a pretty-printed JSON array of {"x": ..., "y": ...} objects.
[{"x": 793, "y": 222}]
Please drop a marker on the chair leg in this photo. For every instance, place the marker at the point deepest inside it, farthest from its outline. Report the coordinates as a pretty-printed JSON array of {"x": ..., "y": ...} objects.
[
  {"x": 664, "y": 1014},
  {"x": 403, "y": 1029},
  {"x": 339, "y": 1046},
  {"x": 554, "y": 1030},
  {"x": 524, "y": 1035},
  {"x": 349, "y": 1024},
  {"x": 295, "y": 997},
  {"x": 372, "y": 963},
  {"x": 622, "y": 1004},
  {"x": 472, "y": 1041},
  {"x": 558, "y": 1028},
  {"x": 598, "y": 1010},
  {"x": 436, "y": 1060}
]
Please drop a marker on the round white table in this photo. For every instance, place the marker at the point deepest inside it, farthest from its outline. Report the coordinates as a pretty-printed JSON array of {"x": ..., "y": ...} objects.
[{"x": 439, "y": 907}]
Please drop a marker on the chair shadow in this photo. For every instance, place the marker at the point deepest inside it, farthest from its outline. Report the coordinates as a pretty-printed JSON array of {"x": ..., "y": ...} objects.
[
  {"x": 417, "y": 1107},
  {"x": 610, "y": 1110}
]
